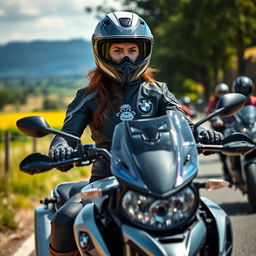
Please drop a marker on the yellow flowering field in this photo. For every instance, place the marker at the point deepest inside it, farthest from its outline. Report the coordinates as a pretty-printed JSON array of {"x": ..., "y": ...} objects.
[{"x": 53, "y": 118}]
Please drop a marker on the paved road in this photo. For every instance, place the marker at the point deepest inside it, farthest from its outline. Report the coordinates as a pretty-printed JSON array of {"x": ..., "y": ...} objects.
[{"x": 235, "y": 205}]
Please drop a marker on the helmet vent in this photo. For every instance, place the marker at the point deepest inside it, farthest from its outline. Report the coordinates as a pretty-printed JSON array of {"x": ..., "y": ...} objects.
[
  {"x": 125, "y": 22},
  {"x": 142, "y": 23},
  {"x": 106, "y": 22}
]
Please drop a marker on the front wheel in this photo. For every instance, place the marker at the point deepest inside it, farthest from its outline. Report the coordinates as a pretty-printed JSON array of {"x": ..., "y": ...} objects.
[{"x": 251, "y": 185}]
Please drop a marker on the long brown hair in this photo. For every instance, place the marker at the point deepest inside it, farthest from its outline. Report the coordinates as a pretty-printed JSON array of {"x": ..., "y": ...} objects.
[{"x": 106, "y": 90}]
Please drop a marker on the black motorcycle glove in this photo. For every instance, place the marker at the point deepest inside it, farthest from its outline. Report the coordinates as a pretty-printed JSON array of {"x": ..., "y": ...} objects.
[
  {"x": 210, "y": 137},
  {"x": 61, "y": 152}
]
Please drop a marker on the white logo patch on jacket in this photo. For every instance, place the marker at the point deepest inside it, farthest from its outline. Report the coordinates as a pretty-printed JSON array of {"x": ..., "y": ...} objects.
[{"x": 126, "y": 112}]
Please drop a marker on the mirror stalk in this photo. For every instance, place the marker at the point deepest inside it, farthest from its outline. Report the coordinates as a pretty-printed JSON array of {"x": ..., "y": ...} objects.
[
  {"x": 64, "y": 134},
  {"x": 215, "y": 113}
]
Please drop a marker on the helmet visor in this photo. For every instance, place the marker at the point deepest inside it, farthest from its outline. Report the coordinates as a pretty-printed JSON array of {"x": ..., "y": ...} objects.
[
  {"x": 143, "y": 45},
  {"x": 244, "y": 90}
]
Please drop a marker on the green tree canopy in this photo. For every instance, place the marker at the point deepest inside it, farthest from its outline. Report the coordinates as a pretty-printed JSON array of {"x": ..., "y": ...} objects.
[{"x": 194, "y": 40}]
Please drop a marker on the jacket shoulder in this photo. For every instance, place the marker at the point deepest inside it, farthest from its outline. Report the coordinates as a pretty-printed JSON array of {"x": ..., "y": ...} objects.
[
  {"x": 154, "y": 86},
  {"x": 82, "y": 97}
]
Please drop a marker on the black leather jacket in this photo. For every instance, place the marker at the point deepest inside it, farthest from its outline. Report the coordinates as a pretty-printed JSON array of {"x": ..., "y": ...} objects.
[{"x": 139, "y": 100}]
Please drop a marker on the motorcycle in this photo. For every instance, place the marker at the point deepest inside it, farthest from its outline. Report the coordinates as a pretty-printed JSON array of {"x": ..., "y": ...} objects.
[
  {"x": 242, "y": 169},
  {"x": 151, "y": 205}
]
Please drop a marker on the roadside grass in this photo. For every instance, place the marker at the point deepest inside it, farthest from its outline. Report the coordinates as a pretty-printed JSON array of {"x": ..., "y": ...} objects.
[{"x": 20, "y": 190}]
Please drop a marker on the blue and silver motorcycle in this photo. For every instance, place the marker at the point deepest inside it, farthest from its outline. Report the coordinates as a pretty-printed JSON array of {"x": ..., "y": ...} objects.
[{"x": 151, "y": 204}]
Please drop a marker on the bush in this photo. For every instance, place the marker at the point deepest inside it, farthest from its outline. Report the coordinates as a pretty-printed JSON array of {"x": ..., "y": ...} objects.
[{"x": 50, "y": 104}]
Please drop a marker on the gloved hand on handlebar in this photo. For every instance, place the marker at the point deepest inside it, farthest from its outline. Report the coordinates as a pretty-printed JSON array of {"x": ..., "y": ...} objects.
[
  {"x": 210, "y": 137},
  {"x": 61, "y": 152}
]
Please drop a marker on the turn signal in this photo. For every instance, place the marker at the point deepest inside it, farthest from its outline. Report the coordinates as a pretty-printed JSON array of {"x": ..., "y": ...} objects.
[
  {"x": 212, "y": 184},
  {"x": 92, "y": 193}
]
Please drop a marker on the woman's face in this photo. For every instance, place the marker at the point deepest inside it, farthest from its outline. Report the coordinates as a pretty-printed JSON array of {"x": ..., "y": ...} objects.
[{"x": 120, "y": 50}]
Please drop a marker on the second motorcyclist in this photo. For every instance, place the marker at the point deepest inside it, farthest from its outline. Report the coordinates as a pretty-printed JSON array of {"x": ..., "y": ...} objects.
[{"x": 244, "y": 85}]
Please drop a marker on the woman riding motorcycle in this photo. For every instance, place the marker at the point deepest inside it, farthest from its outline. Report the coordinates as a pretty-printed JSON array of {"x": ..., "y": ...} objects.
[{"x": 120, "y": 88}]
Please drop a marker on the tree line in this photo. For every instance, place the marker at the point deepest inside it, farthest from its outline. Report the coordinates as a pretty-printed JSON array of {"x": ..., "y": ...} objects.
[
  {"x": 16, "y": 90},
  {"x": 196, "y": 41}
]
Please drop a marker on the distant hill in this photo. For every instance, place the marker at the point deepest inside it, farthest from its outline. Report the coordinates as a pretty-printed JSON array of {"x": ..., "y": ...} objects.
[{"x": 46, "y": 58}]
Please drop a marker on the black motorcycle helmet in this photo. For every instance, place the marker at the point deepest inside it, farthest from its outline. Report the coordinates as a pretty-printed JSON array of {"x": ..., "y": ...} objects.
[
  {"x": 243, "y": 85},
  {"x": 120, "y": 27}
]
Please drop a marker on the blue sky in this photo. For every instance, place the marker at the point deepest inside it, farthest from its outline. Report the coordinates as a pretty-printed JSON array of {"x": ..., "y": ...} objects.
[{"x": 28, "y": 20}]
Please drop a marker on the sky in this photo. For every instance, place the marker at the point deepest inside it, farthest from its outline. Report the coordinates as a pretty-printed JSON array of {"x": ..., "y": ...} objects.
[{"x": 28, "y": 20}]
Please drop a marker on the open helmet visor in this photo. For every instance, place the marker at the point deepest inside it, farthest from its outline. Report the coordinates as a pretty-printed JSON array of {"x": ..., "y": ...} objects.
[{"x": 103, "y": 48}]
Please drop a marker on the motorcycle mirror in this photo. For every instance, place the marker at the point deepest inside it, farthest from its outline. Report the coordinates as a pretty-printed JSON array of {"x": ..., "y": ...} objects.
[
  {"x": 36, "y": 163},
  {"x": 36, "y": 126},
  {"x": 228, "y": 104},
  {"x": 237, "y": 148},
  {"x": 237, "y": 136}
]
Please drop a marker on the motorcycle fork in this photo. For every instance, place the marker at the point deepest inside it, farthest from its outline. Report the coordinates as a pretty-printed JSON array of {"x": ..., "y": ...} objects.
[{"x": 242, "y": 161}]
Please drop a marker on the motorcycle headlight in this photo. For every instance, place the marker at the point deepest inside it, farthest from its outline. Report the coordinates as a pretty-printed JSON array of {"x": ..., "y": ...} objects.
[{"x": 160, "y": 214}]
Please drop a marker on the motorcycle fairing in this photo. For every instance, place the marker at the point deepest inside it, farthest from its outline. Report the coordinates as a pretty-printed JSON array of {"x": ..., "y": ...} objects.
[
  {"x": 188, "y": 242},
  {"x": 157, "y": 154},
  {"x": 105, "y": 184},
  {"x": 42, "y": 221},
  {"x": 85, "y": 222},
  {"x": 248, "y": 115},
  {"x": 223, "y": 226}
]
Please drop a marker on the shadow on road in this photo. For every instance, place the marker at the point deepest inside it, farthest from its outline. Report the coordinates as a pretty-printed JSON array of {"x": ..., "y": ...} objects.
[
  {"x": 209, "y": 176},
  {"x": 233, "y": 209}
]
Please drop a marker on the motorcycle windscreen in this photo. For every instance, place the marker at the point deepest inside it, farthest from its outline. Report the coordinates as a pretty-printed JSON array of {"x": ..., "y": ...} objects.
[
  {"x": 248, "y": 115},
  {"x": 156, "y": 154}
]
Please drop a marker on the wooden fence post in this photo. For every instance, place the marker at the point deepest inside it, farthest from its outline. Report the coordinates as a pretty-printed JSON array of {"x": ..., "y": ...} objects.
[
  {"x": 34, "y": 145},
  {"x": 7, "y": 152}
]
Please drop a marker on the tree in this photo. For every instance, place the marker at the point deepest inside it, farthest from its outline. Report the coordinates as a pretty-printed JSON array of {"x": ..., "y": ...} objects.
[
  {"x": 196, "y": 39},
  {"x": 4, "y": 98}
]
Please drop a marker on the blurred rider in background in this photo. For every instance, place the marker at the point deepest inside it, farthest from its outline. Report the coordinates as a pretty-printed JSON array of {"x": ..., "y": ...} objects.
[
  {"x": 188, "y": 107},
  {"x": 244, "y": 85}
]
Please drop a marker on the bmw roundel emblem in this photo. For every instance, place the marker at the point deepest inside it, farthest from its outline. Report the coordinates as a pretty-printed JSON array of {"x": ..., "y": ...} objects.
[
  {"x": 145, "y": 106},
  {"x": 83, "y": 240}
]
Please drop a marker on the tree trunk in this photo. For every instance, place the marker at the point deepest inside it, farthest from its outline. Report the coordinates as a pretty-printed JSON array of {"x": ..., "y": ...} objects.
[
  {"x": 206, "y": 84},
  {"x": 240, "y": 53}
]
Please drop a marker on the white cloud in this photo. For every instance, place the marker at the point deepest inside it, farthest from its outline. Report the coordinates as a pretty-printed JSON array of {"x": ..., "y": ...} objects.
[
  {"x": 48, "y": 22},
  {"x": 28, "y": 20},
  {"x": 29, "y": 11},
  {"x": 2, "y": 13}
]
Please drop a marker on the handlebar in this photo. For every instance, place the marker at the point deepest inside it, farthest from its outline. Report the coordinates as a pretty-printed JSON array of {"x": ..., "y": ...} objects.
[
  {"x": 88, "y": 154},
  {"x": 85, "y": 155}
]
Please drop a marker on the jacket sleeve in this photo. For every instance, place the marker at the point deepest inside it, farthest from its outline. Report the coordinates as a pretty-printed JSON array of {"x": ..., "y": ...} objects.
[
  {"x": 77, "y": 118},
  {"x": 169, "y": 102}
]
